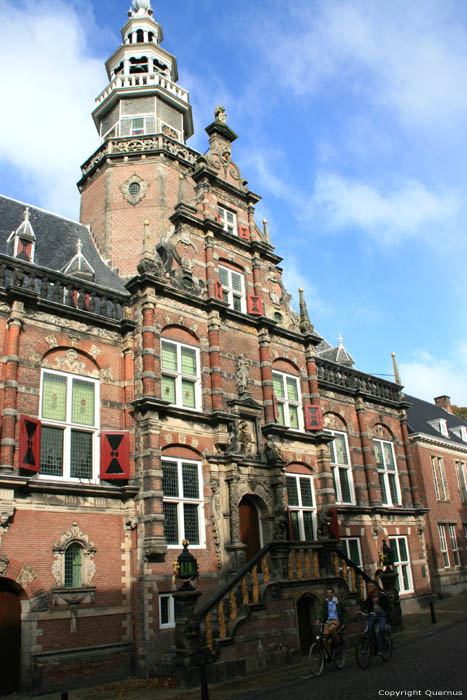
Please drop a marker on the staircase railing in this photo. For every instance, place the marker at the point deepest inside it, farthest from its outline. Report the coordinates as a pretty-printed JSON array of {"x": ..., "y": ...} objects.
[{"x": 355, "y": 577}]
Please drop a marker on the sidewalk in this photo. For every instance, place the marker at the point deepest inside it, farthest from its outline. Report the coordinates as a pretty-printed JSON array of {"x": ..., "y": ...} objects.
[{"x": 448, "y": 611}]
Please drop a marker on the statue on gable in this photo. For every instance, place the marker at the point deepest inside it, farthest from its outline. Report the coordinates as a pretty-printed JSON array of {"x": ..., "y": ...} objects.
[
  {"x": 242, "y": 375},
  {"x": 219, "y": 114},
  {"x": 328, "y": 526}
]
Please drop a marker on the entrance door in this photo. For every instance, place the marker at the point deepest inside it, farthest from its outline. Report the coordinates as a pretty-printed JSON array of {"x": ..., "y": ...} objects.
[
  {"x": 10, "y": 638},
  {"x": 306, "y": 614},
  {"x": 249, "y": 527}
]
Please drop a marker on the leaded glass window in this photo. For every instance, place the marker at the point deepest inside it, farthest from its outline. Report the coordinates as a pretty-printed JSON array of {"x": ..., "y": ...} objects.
[
  {"x": 68, "y": 401},
  {"x": 387, "y": 472},
  {"x": 73, "y": 566},
  {"x": 341, "y": 468},
  {"x": 288, "y": 401},
  {"x": 183, "y": 504},
  {"x": 302, "y": 511},
  {"x": 233, "y": 288},
  {"x": 180, "y": 375}
]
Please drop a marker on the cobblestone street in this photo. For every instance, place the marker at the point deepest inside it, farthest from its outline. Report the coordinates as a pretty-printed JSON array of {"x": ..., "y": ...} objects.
[{"x": 435, "y": 664}]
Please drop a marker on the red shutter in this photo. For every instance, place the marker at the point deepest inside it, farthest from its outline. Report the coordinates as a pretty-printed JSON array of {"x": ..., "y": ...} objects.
[
  {"x": 218, "y": 291},
  {"x": 115, "y": 454},
  {"x": 255, "y": 305},
  {"x": 244, "y": 232},
  {"x": 29, "y": 443},
  {"x": 313, "y": 418},
  {"x": 218, "y": 218}
]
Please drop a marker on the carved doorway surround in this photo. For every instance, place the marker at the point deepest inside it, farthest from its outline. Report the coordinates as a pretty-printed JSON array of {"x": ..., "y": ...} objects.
[
  {"x": 250, "y": 526},
  {"x": 10, "y": 637}
]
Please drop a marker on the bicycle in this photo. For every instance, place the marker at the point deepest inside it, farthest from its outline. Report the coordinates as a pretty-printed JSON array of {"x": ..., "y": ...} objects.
[
  {"x": 367, "y": 644},
  {"x": 318, "y": 656}
]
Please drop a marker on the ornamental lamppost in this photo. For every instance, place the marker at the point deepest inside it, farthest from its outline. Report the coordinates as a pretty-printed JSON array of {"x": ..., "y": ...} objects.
[{"x": 185, "y": 568}]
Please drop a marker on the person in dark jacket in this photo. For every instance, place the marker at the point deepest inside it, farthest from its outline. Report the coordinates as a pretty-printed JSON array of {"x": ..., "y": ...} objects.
[
  {"x": 377, "y": 604},
  {"x": 334, "y": 616}
]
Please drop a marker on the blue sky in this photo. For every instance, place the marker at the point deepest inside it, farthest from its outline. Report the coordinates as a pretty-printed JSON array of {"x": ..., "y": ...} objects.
[{"x": 351, "y": 120}]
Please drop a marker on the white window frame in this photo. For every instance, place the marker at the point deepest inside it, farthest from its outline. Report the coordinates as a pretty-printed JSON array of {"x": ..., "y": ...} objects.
[
  {"x": 67, "y": 426},
  {"x": 439, "y": 479},
  {"x": 384, "y": 474},
  {"x": 180, "y": 500},
  {"x": 229, "y": 293},
  {"x": 402, "y": 565},
  {"x": 230, "y": 227},
  {"x": 454, "y": 545},
  {"x": 440, "y": 424},
  {"x": 461, "y": 480},
  {"x": 170, "y": 611},
  {"x": 134, "y": 131},
  {"x": 346, "y": 541},
  {"x": 179, "y": 375},
  {"x": 287, "y": 403},
  {"x": 443, "y": 541},
  {"x": 460, "y": 432},
  {"x": 336, "y": 467},
  {"x": 300, "y": 509}
]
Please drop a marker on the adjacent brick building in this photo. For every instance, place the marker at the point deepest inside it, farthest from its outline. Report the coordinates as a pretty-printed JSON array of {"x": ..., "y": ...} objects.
[{"x": 157, "y": 386}]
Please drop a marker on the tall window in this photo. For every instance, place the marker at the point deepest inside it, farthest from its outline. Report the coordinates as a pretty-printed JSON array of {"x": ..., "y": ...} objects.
[
  {"x": 233, "y": 288},
  {"x": 387, "y": 472},
  {"x": 180, "y": 375},
  {"x": 400, "y": 551},
  {"x": 454, "y": 546},
  {"x": 288, "y": 401},
  {"x": 444, "y": 545},
  {"x": 462, "y": 480},
  {"x": 341, "y": 471},
  {"x": 439, "y": 479},
  {"x": 166, "y": 610},
  {"x": 353, "y": 550},
  {"x": 302, "y": 511},
  {"x": 183, "y": 501},
  {"x": 73, "y": 578},
  {"x": 227, "y": 219},
  {"x": 69, "y": 437}
]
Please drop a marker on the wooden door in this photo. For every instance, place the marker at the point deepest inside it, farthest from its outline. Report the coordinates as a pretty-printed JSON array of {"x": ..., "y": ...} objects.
[
  {"x": 249, "y": 527},
  {"x": 306, "y": 616},
  {"x": 10, "y": 638}
]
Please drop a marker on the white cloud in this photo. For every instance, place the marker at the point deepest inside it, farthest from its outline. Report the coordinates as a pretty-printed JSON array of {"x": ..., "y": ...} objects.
[
  {"x": 427, "y": 377},
  {"x": 387, "y": 215},
  {"x": 51, "y": 82},
  {"x": 410, "y": 57}
]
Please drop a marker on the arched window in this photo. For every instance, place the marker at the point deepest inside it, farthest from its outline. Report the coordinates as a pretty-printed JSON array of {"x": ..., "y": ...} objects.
[
  {"x": 139, "y": 36},
  {"x": 73, "y": 563},
  {"x": 287, "y": 395},
  {"x": 340, "y": 458}
]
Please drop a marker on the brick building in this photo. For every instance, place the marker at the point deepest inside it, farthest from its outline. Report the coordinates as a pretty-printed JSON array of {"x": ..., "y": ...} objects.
[
  {"x": 157, "y": 386},
  {"x": 439, "y": 444}
]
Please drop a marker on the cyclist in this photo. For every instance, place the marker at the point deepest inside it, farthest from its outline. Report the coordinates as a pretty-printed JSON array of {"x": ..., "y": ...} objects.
[
  {"x": 334, "y": 616},
  {"x": 377, "y": 604}
]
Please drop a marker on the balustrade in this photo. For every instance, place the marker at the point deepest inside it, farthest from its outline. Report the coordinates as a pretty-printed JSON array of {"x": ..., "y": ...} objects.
[
  {"x": 347, "y": 378},
  {"x": 60, "y": 289}
]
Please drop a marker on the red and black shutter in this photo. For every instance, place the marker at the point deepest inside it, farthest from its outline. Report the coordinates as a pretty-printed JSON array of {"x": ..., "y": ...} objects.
[
  {"x": 115, "y": 455},
  {"x": 313, "y": 418},
  {"x": 218, "y": 290},
  {"x": 255, "y": 305},
  {"x": 244, "y": 232},
  {"x": 29, "y": 443}
]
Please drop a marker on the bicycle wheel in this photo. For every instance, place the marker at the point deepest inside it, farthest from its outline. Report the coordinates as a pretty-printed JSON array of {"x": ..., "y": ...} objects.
[
  {"x": 339, "y": 653},
  {"x": 316, "y": 658},
  {"x": 363, "y": 652},
  {"x": 386, "y": 655}
]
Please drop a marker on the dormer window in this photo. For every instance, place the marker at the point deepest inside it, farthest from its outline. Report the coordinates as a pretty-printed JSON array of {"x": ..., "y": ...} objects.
[
  {"x": 460, "y": 431},
  {"x": 23, "y": 240},
  {"x": 440, "y": 425}
]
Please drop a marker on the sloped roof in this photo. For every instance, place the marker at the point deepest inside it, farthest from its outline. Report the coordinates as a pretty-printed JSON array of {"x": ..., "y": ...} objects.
[
  {"x": 56, "y": 240},
  {"x": 420, "y": 412}
]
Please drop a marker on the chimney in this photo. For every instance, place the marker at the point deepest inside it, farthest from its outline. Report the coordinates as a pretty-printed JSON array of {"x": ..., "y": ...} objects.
[{"x": 444, "y": 402}]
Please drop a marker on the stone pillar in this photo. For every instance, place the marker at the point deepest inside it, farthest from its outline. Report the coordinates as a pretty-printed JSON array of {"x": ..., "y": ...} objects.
[
  {"x": 209, "y": 258},
  {"x": 149, "y": 374},
  {"x": 256, "y": 266},
  {"x": 266, "y": 376},
  {"x": 412, "y": 474},
  {"x": 10, "y": 392},
  {"x": 236, "y": 548},
  {"x": 369, "y": 461},
  {"x": 217, "y": 401},
  {"x": 312, "y": 375}
]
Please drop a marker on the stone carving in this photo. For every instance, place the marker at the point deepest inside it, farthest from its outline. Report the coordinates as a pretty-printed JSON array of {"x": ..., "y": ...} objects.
[
  {"x": 3, "y": 564},
  {"x": 26, "y": 576},
  {"x": 51, "y": 341},
  {"x": 245, "y": 438},
  {"x": 40, "y": 603},
  {"x": 88, "y": 569},
  {"x": 242, "y": 375},
  {"x": 273, "y": 453},
  {"x": 219, "y": 114},
  {"x": 70, "y": 361},
  {"x": 94, "y": 351},
  {"x": 106, "y": 374},
  {"x": 134, "y": 189}
]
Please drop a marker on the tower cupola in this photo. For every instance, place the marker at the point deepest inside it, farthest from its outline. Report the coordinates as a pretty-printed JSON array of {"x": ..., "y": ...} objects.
[{"x": 142, "y": 96}]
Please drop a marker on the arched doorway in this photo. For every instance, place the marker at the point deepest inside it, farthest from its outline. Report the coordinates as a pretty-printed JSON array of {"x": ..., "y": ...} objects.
[
  {"x": 250, "y": 528},
  {"x": 10, "y": 637},
  {"x": 307, "y": 613}
]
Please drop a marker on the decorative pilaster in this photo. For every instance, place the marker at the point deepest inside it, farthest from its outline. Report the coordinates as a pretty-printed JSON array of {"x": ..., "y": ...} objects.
[
  {"x": 149, "y": 374},
  {"x": 369, "y": 461},
  {"x": 266, "y": 376},
  {"x": 215, "y": 361},
  {"x": 411, "y": 472},
  {"x": 10, "y": 392}
]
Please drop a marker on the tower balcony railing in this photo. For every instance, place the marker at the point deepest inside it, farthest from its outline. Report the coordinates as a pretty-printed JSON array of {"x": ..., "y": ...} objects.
[
  {"x": 334, "y": 375},
  {"x": 139, "y": 80},
  {"x": 56, "y": 288}
]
